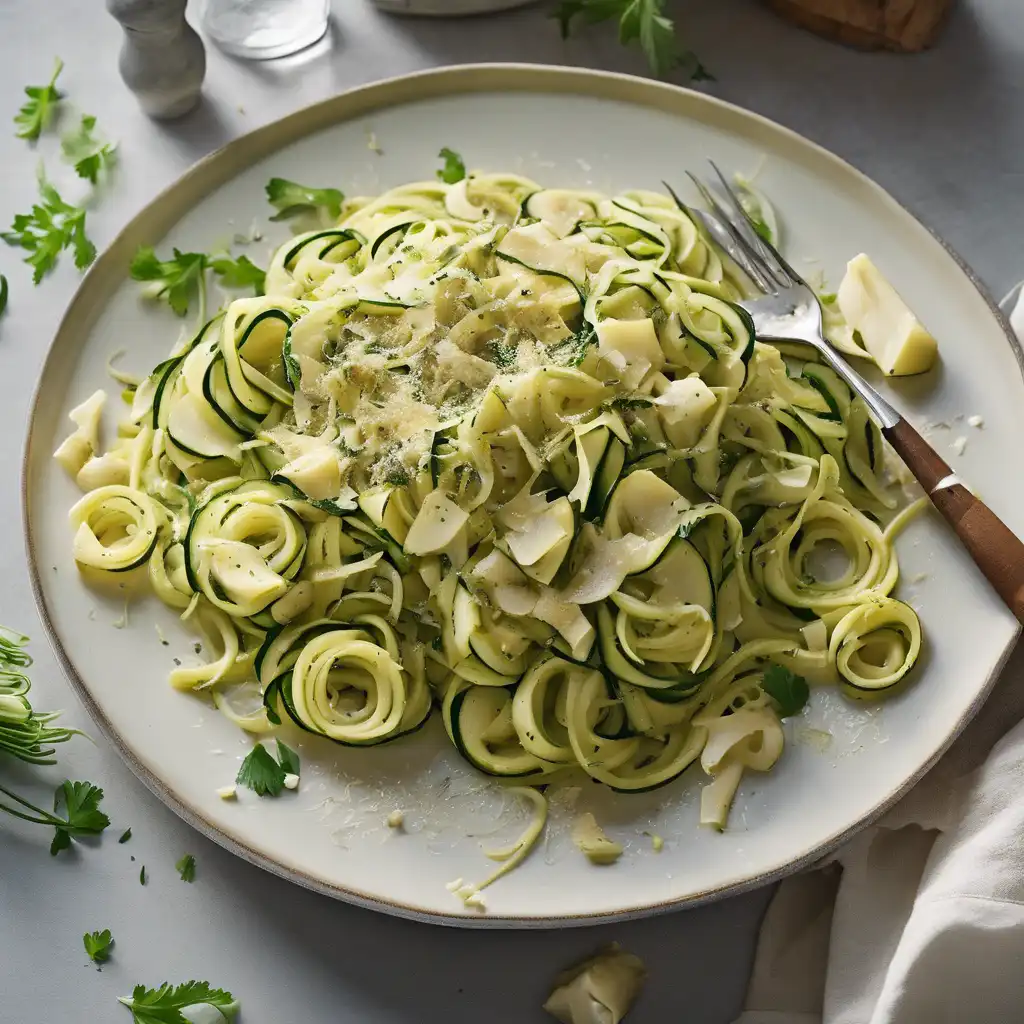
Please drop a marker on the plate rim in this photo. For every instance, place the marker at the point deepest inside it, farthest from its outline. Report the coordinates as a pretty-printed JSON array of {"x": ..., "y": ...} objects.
[{"x": 151, "y": 221}]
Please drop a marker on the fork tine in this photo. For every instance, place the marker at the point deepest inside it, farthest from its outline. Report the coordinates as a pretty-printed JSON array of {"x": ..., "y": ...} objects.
[
  {"x": 766, "y": 247},
  {"x": 713, "y": 226},
  {"x": 754, "y": 264}
]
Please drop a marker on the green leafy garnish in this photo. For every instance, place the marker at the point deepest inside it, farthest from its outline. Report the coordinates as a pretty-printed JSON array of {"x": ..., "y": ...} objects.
[
  {"x": 789, "y": 691},
  {"x": 262, "y": 774},
  {"x": 178, "y": 280},
  {"x": 82, "y": 814},
  {"x": 240, "y": 273},
  {"x": 97, "y": 945},
  {"x": 85, "y": 152},
  {"x": 51, "y": 227},
  {"x": 163, "y": 1005},
  {"x": 35, "y": 115},
  {"x": 142, "y": 875},
  {"x": 573, "y": 350},
  {"x": 288, "y": 758},
  {"x": 186, "y": 867},
  {"x": 454, "y": 169},
  {"x": 125, "y": 836},
  {"x": 290, "y": 199},
  {"x": 3, "y": 294},
  {"x": 641, "y": 20}
]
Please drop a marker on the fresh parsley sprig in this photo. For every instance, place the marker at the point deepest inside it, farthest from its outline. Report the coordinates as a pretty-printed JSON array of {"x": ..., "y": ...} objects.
[
  {"x": 290, "y": 199},
  {"x": 265, "y": 776},
  {"x": 97, "y": 945},
  {"x": 239, "y": 273},
  {"x": 82, "y": 816},
  {"x": 38, "y": 111},
  {"x": 182, "y": 278},
  {"x": 87, "y": 154},
  {"x": 179, "y": 279},
  {"x": 640, "y": 21},
  {"x": 453, "y": 169},
  {"x": 789, "y": 691},
  {"x": 163, "y": 1005},
  {"x": 51, "y": 227},
  {"x": 186, "y": 867}
]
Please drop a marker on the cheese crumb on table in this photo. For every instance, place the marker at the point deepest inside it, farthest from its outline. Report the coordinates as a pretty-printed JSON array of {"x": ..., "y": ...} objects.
[{"x": 600, "y": 990}]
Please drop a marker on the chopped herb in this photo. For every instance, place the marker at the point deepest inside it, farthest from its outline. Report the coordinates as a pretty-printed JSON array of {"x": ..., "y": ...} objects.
[
  {"x": 97, "y": 945},
  {"x": 240, "y": 273},
  {"x": 35, "y": 115},
  {"x": 631, "y": 403},
  {"x": 828, "y": 298},
  {"x": 789, "y": 691},
  {"x": 288, "y": 758},
  {"x": 52, "y": 226},
  {"x": 186, "y": 867},
  {"x": 261, "y": 773},
  {"x": 125, "y": 836},
  {"x": 436, "y": 644},
  {"x": 164, "y": 1005},
  {"x": 573, "y": 350},
  {"x": 87, "y": 154},
  {"x": 639, "y": 20},
  {"x": 290, "y": 199},
  {"x": 82, "y": 816},
  {"x": 142, "y": 875},
  {"x": 454, "y": 169},
  {"x": 179, "y": 279},
  {"x": 397, "y": 476},
  {"x": 3, "y": 302}
]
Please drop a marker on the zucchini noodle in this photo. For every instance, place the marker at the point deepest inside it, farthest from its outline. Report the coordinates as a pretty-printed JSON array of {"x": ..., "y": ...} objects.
[{"x": 515, "y": 453}]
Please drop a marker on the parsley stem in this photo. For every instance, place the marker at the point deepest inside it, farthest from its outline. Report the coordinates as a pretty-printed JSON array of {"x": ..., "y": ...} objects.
[
  {"x": 26, "y": 817},
  {"x": 47, "y": 818}
]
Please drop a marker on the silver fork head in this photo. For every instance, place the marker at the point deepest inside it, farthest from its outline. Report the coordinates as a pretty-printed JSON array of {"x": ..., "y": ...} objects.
[{"x": 788, "y": 309}]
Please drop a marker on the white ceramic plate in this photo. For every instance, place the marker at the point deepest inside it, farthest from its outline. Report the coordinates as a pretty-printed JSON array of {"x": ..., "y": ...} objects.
[{"x": 567, "y": 128}]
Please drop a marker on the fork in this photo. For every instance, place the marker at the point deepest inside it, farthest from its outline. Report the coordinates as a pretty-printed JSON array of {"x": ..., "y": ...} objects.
[{"x": 788, "y": 310}]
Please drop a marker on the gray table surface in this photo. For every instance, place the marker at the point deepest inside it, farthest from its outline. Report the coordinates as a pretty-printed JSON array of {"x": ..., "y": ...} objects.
[{"x": 942, "y": 131}]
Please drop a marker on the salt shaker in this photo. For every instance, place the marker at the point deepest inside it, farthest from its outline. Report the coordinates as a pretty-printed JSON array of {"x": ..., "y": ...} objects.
[{"x": 162, "y": 58}]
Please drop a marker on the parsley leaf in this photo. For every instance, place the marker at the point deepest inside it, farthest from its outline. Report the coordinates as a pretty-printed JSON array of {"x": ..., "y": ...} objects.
[
  {"x": 82, "y": 814},
  {"x": 639, "y": 20},
  {"x": 454, "y": 169},
  {"x": 261, "y": 773},
  {"x": 97, "y": 945},
  {"x": 163, "y": 1005},
  {"x": 240, "y": 273},
  {"x": 125, "y": 836},
  {"x": 88, "y": 154},
  {"x": 186, "y": 867},
  {"x": 142, "y": 874},
  {"x": 35, "y": 115},
  {"x": 290, "y": 199},
  {"x": 52, "y": 226},
  {"x": 179, "y": 279},
  {"x": 288, "y": 758},
  {"x": 786, "y": 688}
]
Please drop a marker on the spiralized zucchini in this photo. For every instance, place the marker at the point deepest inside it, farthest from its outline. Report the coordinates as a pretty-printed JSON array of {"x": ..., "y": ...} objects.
[{"x": 514, "y": 452}]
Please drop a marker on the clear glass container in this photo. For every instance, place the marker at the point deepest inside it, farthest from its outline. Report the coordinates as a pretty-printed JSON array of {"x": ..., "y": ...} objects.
[{"x": 263, "y": 29}]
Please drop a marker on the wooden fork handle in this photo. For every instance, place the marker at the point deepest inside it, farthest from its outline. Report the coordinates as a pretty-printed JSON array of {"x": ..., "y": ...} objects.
[{"x": 996, "y": 550}]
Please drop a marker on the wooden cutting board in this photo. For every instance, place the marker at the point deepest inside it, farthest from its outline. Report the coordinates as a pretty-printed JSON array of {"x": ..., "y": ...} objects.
[{"x": 907, "y": 25}]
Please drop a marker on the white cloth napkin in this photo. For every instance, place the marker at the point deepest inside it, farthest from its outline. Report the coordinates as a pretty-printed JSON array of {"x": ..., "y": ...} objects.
[{"x": 919, "y": 919}]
